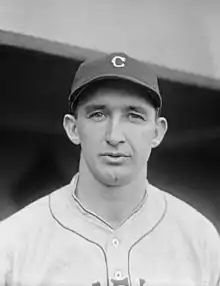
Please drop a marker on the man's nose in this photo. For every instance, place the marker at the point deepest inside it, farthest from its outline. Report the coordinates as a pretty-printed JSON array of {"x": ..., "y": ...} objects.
[{"x": 114, "y": 133}]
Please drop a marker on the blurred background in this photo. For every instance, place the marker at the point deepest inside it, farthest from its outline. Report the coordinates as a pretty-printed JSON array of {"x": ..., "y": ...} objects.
[{"x": 42, "y": 43}]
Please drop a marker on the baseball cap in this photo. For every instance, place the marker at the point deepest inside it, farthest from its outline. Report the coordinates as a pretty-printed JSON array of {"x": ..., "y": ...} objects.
[{"x": 115, "y": 66}]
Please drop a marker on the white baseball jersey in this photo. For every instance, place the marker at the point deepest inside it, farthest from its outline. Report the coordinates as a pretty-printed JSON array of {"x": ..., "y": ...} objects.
[{"x": 55, "y": 241}]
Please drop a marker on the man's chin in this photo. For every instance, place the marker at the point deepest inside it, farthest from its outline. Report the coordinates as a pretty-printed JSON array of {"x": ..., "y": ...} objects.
[{"x": 115, "y": 179}]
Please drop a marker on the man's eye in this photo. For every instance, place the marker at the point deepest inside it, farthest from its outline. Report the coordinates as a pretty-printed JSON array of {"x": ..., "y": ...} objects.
[
  {"x": 97, "y": 115},
  {"x": 136, "y": 116}
]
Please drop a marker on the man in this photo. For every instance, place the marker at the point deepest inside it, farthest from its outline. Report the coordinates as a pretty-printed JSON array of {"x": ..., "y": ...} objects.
[{"x": 110, "y": 226}]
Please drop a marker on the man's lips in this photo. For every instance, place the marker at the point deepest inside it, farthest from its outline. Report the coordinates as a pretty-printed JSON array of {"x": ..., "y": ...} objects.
[
  {"x": 114, "y": 158},
  {"x": 115, "y": 155}
]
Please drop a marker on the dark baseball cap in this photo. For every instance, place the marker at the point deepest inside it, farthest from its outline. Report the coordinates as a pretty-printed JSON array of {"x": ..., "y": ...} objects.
[{"x": 116, "y": 66}]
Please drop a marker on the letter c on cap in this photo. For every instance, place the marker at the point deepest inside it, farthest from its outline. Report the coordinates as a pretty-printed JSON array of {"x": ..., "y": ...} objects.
[{"x": 118, "y": 61}]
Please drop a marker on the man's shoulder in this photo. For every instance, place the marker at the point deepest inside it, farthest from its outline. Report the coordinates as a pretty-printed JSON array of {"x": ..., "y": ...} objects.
[
  {"x": 191, "y": 231},
  {"x": 32, "y": 216},
  {"x": 185, "y": 215}
]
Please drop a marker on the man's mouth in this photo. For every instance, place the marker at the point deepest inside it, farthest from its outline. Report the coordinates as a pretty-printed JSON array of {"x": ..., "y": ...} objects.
[
  {"x": 115, "y": 155},
  {"x": 115, "y": 158}
]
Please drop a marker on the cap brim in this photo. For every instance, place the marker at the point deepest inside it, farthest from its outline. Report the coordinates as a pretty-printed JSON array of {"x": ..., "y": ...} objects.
[{"x": 78, "y": 90}]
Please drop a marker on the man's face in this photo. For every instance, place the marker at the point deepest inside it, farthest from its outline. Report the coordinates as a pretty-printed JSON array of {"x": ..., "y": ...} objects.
[{"x": 116, "y": 128}]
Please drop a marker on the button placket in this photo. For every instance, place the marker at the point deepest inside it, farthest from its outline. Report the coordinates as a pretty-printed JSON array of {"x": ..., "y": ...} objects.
[{"x": 117, "y": 257}]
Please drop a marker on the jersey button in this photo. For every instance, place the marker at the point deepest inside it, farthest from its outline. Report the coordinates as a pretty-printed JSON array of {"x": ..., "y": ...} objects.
[
  {"x": 115, "y": 242},
  {"x": 118, "y": 275}
]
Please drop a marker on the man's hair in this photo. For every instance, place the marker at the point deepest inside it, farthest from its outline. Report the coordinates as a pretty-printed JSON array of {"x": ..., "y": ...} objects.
[{"x": 88, "y": 91}]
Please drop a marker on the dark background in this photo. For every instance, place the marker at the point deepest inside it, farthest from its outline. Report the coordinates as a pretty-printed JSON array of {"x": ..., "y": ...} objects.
[{"x": 36, "y": 157}]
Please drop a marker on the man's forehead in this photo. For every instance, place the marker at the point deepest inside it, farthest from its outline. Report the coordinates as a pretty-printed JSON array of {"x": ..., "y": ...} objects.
[{"x": 114, "y": 102}]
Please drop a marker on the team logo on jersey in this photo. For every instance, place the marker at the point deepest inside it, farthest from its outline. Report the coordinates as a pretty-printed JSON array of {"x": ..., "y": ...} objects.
[
  {"x": 118, "y": 61},
  {"x": 121, "y": 282}
]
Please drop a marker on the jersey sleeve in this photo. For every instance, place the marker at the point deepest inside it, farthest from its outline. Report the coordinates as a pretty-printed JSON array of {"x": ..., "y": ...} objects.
[
  {"x": 212, "y": 256},
  {"x": 5, "y": 257}
]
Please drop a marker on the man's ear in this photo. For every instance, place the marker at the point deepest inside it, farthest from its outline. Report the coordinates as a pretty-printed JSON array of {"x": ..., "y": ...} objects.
[
  {"x": 160, "y": 131},
  {"x": 69, "y": 124}
]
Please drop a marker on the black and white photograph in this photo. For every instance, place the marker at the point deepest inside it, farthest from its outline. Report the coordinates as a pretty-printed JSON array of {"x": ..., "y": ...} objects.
[{"x": 110, "y": 143}]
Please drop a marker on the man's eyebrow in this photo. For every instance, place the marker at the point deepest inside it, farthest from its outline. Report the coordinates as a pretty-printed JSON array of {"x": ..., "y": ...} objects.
[
  {"x": 136, "y": 108},
  {"x": 92, "y": 107}
]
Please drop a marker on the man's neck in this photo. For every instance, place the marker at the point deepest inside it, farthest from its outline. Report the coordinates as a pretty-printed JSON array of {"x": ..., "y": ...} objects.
[{"x": 112, "y": 204}]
